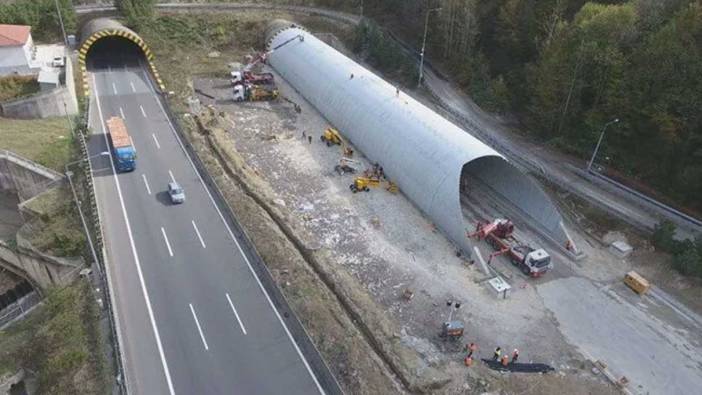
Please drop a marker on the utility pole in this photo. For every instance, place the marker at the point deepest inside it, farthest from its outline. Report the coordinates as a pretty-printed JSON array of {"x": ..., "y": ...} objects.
[
  {"x": 63, "y": 29},
  {"x": 599, "y": 141},
  {"x": 424, "y": 45},
  {"x": 80, "y": 211}
]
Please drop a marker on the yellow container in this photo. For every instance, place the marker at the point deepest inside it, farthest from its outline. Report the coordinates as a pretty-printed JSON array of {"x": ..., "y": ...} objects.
[{"x": 634, "y": 281}]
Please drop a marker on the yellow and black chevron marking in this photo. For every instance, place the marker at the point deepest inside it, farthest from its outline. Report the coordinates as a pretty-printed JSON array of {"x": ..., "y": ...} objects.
[{"x": 83, "y": 52}]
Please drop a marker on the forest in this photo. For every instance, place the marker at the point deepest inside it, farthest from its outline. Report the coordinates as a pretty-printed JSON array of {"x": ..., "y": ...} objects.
[{"x": 564, "y": 68}]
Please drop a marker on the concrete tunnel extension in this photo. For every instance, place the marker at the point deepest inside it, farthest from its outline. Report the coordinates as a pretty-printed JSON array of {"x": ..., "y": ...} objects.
[
  {"x": 431, "y": 159},
  {"x": 98, "y": 29}
]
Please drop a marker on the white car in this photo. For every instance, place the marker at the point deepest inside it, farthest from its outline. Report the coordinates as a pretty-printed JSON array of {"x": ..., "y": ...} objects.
[
  {"x": 176, "y": 193},
  {"x": 58, "y": 61}
]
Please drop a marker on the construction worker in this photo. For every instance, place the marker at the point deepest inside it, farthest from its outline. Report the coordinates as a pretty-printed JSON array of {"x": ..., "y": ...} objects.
[
  {"x": 505, "y": 360},
  {"x": 496, "y": 355},
  {"x": 515, "y": 355},
  {"x": 309, "y": 138},
  {"x": 468, "y": 361},
  {"x": 471, "y": 349}
]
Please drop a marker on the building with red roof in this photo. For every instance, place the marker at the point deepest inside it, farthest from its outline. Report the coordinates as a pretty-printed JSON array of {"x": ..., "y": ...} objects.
[{"x": 16, "y": 49}]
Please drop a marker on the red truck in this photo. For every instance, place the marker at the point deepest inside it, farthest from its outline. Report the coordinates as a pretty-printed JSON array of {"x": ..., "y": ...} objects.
[
  {"x": 499, "y": 234},
  {"x": 248, "y": 77}
]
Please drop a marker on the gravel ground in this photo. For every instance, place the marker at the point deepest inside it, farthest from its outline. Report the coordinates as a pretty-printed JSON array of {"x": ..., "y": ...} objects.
[
  {"x": 636, "y": 337},
  {"x": 384, "y": 241}
]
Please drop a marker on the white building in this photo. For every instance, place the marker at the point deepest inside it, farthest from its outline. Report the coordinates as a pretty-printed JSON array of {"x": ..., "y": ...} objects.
[{"x": 17, "y": 50}]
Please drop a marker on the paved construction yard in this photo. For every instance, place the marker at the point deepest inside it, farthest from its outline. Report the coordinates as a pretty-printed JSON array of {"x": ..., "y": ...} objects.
[{"x": 577, "y": 312}]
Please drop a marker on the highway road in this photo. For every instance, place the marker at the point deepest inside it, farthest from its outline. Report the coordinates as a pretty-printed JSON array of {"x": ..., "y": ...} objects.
[{"x": 191, "y": 315}]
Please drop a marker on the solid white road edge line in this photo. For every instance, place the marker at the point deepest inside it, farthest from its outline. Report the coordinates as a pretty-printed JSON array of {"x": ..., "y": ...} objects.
[
  {"x": 156, "y": 141},
  {"x": 114, "y": 88},
  {"x": 165, "y": 238},
  {"x": 199, "y": 329},
  {"x": 235, "y": 313},
  {"x": 198, "y": 234},
  {"x": 142, "y": 111},
  {"x": 146, "y": 183},
  {"x": 170, "y": 173},
  {"x": 231, "y": 234},
  {"x": 149, "y": 309}
]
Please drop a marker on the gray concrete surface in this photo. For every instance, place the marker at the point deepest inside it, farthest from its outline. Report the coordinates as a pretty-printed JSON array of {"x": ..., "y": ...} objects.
[
  {"x": 24, "y": 177},
  {"x": 637, "y": 337},
  {"x": 10, "y": 218},
  {"x": 155, "y": 283},
  {"x": 60, "y": 101},
  {"x": 44, "y": 271}
]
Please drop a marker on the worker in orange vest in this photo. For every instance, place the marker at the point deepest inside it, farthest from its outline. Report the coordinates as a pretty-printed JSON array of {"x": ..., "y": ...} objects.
[
  {"x": 468, "y": 361},
  {"x": 471, "y": 349},
  {"x": 515, "y": 355},
  {"x": 505, "y": 360}
]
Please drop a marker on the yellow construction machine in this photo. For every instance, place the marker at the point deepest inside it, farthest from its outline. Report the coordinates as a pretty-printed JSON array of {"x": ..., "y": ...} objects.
[
  {"x": 331, "y": 136},
  {"x": 363, "y": 184}
]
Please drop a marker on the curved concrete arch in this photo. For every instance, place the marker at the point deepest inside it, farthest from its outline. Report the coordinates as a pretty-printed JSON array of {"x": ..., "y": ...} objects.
[
  {"x": 99, "y": 28},
  {"x": 432, "y": 160}
]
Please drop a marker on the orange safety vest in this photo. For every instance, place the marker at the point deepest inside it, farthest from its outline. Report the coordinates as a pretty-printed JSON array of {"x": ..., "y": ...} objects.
[{"x": 468, "y": 361}]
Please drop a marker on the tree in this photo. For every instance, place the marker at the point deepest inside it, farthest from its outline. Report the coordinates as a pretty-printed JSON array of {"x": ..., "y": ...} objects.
[
  {"x": 41, "y": 15},
  {"x": 136, "y": 12}
]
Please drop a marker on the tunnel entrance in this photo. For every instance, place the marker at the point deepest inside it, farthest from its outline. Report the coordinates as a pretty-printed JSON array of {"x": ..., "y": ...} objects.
[
  {"x": 491, "y": 187},
  {"x": 107, "y": 43},
  {"x": 114, "y": 51}
]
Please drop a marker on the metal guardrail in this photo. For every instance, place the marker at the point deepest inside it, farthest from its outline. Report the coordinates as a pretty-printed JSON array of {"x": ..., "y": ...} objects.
[
  {"x": 99, "y": 241},
  {"x": 653, "y": 202},
  {"x": 17, "y": 309}
]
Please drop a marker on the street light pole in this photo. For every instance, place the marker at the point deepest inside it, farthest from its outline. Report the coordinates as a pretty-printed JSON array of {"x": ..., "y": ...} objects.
[
  {"x": 424, "y": 44},
  {"x": 63, "y": 29},
  {"x": 599, "y": 141},
  {"x": 80, "y": 211}
]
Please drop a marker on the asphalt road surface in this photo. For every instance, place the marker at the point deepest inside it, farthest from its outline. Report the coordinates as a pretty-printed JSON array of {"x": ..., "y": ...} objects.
[{"x": 191, "y": 315}]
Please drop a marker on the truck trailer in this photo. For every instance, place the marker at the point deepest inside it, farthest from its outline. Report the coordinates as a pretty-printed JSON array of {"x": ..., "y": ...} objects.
[
  {"x": 499, "y": 233},
  {"x": 123, "y": 151},
  {"x": 250, "y": 92}
]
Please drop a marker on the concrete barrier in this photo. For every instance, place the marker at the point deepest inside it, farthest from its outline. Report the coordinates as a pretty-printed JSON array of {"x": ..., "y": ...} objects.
[
  {"x": 25, "y": 177},
  {"x": 42, "y": 270},
  {"x": 60, "y": 101}
]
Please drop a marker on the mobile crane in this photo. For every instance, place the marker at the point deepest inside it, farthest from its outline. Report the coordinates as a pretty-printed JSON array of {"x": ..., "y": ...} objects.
[{"x": 499, "y": 233}]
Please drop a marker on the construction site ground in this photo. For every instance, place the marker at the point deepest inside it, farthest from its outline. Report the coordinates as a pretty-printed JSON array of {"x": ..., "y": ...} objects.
[
  {"x": 580, "y": 311},
  {"x": 376, "y": 245}
]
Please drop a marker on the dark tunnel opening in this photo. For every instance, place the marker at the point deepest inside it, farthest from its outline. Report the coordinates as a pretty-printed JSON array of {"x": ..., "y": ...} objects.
[
  {"x": 493, "y": 185},
  {"x": 114, "y": 51}
]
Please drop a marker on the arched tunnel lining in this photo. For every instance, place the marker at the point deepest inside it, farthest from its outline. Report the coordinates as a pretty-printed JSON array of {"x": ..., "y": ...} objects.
[
  {"x": 425, "y": 154},
  {"x": 100, "y": 29},
  {"x": 511, "y": 190}
]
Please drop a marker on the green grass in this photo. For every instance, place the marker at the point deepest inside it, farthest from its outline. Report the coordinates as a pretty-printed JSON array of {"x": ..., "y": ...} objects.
[
  {"x": 61, "y": 342},
  {"x": 46, "y": 141},
  {"x": 57, "y": 231},
  {"x": 17, "y": 86}
]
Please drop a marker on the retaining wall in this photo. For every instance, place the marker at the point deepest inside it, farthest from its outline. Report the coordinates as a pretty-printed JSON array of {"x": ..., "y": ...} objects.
[
  {"x": 46, "y": 104},
  {"x": 23, "y": 176},
  {"x": 42, "y": 270}
]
